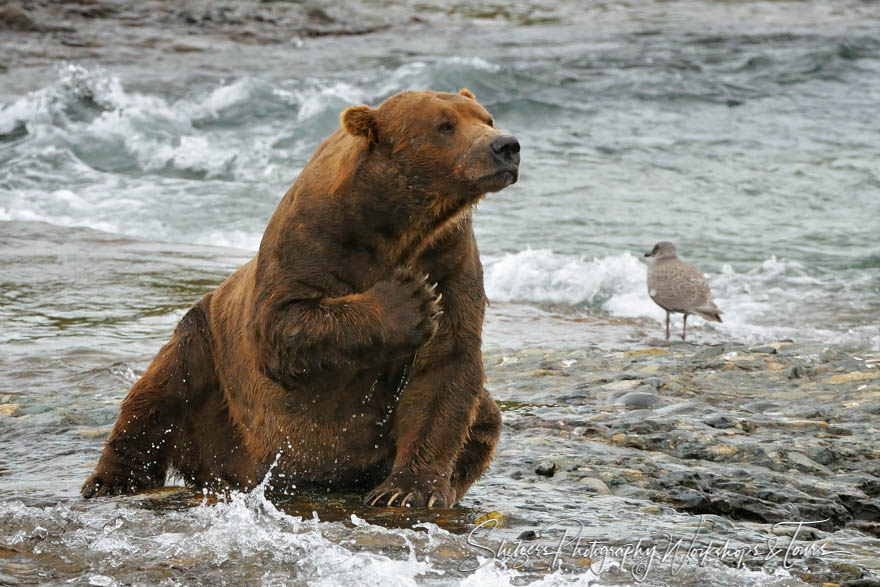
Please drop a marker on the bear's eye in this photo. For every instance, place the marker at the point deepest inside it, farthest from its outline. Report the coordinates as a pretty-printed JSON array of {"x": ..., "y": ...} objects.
[
  {"x": 446, "y": 128},
  {"x": 491, "y": 123}
]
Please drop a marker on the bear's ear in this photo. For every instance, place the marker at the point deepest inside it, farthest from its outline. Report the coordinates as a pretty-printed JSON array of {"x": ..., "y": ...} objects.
[
  {"x": 467, "y": 94},
  {"x": 360, "y": 121}
]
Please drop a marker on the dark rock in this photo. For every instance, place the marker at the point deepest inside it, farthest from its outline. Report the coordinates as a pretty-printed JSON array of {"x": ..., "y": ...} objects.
[
  {"x": 15, "y": 19},
  {"x": 864, "y": 509},
  {"x": 690, "y": 500},
  {"x": 751, "y": 508},
  {"x": 628, "y": 376},
  {"x": 805, "y": 464},
  {"x": 573, "y": 398},
  {"x": 719, "y": 421},
  {"x": 870, "y": 485},
  {"x": 527, "y": 535},
  {"x": 546, "y": 468},
  {"x": 320, "y": 16},
  {"x": 691, "y": 450},
  {"x": 710, "y": 365},
  {"x": 631, "y": 425},
  {"x": 654, "y": 382},
  {"x": 796, "y": 371},
  {"x": 577, "y": 394},
  {"x": 92, "y": 10},
  {"x": 652, "y": 442},
  {"x": 862, "y": 583},
  {"x": 755, "y": 454},
  {"x": 688, "y": 479},
  {"x": 764, "y": 349},
  {"x": 821, "y": 454}
]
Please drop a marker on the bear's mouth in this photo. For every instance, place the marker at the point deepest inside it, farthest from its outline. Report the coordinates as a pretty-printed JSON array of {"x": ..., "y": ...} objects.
[{"x": 500, "y": 179}]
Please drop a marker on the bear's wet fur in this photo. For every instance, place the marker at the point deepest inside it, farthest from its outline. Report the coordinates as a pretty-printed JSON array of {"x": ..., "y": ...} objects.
[{"x": 347, "y": 352}]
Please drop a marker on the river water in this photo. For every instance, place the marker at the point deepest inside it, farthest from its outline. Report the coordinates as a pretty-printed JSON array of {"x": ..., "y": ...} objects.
[{"x": 132, "y": 183}]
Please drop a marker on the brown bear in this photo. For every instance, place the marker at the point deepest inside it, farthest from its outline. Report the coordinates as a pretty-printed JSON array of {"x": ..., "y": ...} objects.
[{"x": 346, "y": 354}]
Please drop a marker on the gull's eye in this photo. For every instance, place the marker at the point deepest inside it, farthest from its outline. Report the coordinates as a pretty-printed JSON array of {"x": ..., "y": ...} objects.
[{"x": 446, "y": 128}]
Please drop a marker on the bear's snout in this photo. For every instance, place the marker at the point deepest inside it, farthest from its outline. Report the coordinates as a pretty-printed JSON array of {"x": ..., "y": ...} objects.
[{"x": 505, "y": 148}]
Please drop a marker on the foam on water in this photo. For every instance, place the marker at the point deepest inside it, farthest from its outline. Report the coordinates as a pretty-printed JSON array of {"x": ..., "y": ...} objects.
[
  {"x": 769, "y": 301},
  {"x": 136, "y": 162},
  {"x": 247, "y": 536},
  {"x": 246, "y": 531}
]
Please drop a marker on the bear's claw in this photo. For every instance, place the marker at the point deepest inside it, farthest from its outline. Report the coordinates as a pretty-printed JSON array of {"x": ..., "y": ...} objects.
[{"x": 410, "y": 490}]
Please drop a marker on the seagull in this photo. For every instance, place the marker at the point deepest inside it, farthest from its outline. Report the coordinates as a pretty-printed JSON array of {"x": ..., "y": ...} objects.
[{"x": 679, "y": 287}]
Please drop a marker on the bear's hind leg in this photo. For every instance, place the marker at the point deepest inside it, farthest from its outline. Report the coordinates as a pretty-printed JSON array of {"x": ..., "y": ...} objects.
[
  {"x": 144, "y": 440},
  {"x": 479, "y": 447}
]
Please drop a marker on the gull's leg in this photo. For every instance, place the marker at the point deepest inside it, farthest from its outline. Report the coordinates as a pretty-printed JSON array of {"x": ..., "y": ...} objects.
[
  {"x": 685, "y": 328},
  {"x": 667, "y": 325}
]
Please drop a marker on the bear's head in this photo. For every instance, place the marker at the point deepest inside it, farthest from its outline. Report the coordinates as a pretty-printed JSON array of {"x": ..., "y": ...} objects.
[{"x": 442, "y": 148}]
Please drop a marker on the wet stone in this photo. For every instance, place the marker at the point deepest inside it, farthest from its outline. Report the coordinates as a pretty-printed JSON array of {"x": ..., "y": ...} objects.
[
  {"x": 796, "y": 371},
  {"x": 654, "y": 382},
  {"x": 689, "y": 499},
  {"x": 709, "y": 352},
  {"x": 805, "y": 464},
  {"x": 629, "y": 376},
  {"x": 593, "y": 485},
  {"x": 635, "y": 423},
  {"x": 765, "y": 349},
  {"x": 14, "y": 18},
  {"x": 527, "y": 535},
  {"x": 760, "y": 406},
  {"x": 720, "y": 421},
  {"x": 692, "y": 451},
  {"x": 546, "y": 468},
  {"x": 689, "y": 479},
  {"x": 638, "y": 400}
]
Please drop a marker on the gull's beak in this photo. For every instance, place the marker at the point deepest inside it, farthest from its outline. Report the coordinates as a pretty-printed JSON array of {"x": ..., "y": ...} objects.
[{"x": 647, "y": 254}]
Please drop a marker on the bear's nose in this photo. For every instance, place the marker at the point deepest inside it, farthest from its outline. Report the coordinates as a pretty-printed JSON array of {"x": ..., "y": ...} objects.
[{"x": 506, "y": 149}]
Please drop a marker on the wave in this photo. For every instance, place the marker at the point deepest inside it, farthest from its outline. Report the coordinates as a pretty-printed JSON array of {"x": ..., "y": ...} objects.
[
  {"x": 112, "y": 128},
  {"x": 772, "y": 300},
  {"x": 90, "y": 150},
  {"x": 540, "y": 275}
]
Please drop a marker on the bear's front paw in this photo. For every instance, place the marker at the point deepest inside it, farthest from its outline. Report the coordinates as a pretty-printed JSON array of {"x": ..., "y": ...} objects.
[
  {"x": 412, "y": 309},
  {"x": 109, "y": 483},
  {"x": 409, "y": 489}
]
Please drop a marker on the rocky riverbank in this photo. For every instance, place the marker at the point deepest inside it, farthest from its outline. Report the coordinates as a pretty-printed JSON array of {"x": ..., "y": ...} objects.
[{"x": 752, "y": 438}]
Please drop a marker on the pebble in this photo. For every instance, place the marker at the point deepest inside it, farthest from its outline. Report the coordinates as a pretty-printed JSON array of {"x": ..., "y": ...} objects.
[{"x": 546, "y": 468}]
